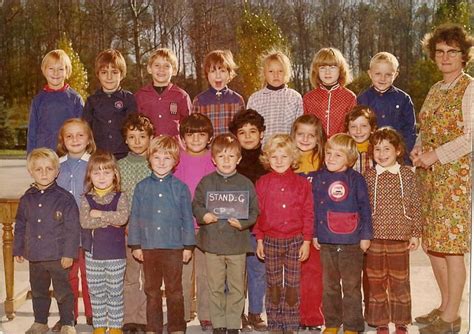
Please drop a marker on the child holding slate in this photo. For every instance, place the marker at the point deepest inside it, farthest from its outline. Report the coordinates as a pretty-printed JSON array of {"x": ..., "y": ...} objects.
[{"x": 225, "y": 238}]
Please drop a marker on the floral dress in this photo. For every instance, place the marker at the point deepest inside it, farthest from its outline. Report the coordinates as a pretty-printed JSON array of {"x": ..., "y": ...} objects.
[{"x": 445, "y": 188}]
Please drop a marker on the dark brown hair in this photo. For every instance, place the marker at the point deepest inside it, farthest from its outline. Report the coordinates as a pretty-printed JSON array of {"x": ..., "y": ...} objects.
[
  {"x": 194, "y": 123},
  {"x": 393, "y": 137},
  {"x": 358, "y": 111},
  {"x": 137, "y": 121}
]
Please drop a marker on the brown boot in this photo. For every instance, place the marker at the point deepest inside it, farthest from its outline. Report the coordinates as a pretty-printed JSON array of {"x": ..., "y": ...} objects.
[
  {"x": 246, "y": 327},
  {"x": 257, "y": 322}
]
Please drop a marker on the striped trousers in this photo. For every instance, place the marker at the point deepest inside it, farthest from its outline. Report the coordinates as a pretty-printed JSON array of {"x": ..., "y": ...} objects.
[
  {"x": 105, "y": 281},
  {"x": 388, "y": 274}
]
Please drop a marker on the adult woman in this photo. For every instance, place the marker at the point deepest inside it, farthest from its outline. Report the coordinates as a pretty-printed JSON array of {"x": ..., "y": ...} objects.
[{"x": 443, "y": 152}]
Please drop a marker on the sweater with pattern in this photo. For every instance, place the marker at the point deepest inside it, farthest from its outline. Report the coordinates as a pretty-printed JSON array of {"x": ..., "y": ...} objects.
[{"x": 133, "y": 168}]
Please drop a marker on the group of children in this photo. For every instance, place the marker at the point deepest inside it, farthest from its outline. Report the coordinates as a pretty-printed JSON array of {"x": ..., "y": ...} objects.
[{"x": 328, "y": 197}]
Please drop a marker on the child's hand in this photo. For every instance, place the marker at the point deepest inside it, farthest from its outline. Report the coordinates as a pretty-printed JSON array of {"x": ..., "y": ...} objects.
[
  {"x": 235, "y": 223},
  {"x": 304, "y": 251},
  {"x": 187, "y": 255},
  {"x": 19, "y": 259},
  {"x": 260, "y": 253},
  {"x": 138, "y": 254},
  {"x": 316, "y": 244},
  {"x": 95, "y": 213},
  {"x": 210, "y": 218},
  {"x": 364, "y": 245},
  {"x": 66, "y": 262},
  {"x": 413, "y": 244}
]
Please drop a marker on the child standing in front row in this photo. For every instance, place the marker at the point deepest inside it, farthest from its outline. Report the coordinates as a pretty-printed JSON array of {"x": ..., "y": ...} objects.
[
  {"x": 219, "y": 103},
  {"x": 195, "y": 162},
  {"x": 47, "y": 234},
  {"x": 343, "y": 230},
  {"x": 109, "y": 106},
  {"x": 392, "y": 106},
  {"x": 75, "y": 146},
  {"x": 137, "y": 132},
  {"x": 276, "y": 102},
  {"x": 284, "y": 231},
  {"x": 104, "y": 211},
  {"x": 396, "y": 216},
  {"x": 161, "y": 235},
  {"x": 56, "y": 103},
  {"x": 330, "y": 100},
  {"x": 308, "y": 134},
  {"x": 360, "y": 123},
  {"x": 225, "y": 241}
]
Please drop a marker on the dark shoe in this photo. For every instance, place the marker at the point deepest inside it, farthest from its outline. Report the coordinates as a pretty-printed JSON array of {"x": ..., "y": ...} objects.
[
  {"x": 206, "y": 325},
  {"x": 313, "y": 328},
  {"x": 140, "y": 328},
  {"x": 428, "y": 318},
  {"x": 439, "y": 326},
  {"x": 302, "y": 328},
  {"x": 246, "y": 327},
  {"x": 57, "y": 327},
  {"x": 128, "y": 328},
  {"x": 256, "y": 321},
  {"x": 233, "y": 331},
  {"x": 383, "y": 330},
  {"x": 89, "y": 321},
  {"x": 219, "y": 330},
  {"x": 401, "y": 329}
]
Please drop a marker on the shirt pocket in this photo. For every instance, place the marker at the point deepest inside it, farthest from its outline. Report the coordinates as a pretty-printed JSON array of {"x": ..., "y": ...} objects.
[{"x": 342, "y": 222}]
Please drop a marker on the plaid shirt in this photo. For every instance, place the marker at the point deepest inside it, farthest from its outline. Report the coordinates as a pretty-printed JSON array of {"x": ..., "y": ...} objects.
[
  {"x": 219, "y": 106},
  {"x": 280, "y": 108}
]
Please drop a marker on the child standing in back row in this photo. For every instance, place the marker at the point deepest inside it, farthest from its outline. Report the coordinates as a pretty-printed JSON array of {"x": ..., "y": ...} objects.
[
  {"x": 397, "y": 223},
  {"x": 56, "y": 103},
  {"x": 219, "y": 103},
  {"x": 392, "y": 106},
  {"x": 284, "y": 231},
  {"x": 308, "y": 134},
  {"x": 276, "y": 102},
  {"x": 330, "y": 100},
  {"x": 109, "y": 106}
]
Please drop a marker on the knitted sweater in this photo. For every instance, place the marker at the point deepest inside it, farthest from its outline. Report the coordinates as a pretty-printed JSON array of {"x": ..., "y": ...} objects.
[{"x": 133, "y": 169}]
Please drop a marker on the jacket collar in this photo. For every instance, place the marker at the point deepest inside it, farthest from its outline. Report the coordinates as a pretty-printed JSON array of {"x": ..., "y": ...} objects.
[
  {"x": 85, "y": 157},
  {"x": 394, "y": 169}
]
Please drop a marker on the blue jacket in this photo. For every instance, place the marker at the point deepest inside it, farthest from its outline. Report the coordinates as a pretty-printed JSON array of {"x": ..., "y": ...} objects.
[
  {"x": 342, "y": 207},
  {"x": 106, "y": 113},
  {"x": 47, "y": 225},
  {"x": 48, "y": 112},
  {"x": 393, "y": 108},
  {"x": 161, "y": 215}
]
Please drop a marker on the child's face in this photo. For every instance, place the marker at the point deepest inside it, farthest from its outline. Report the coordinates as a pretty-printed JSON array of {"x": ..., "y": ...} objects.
[
  {"x": 76, "y": 140},
  {"x": 249, "y": 136},
  {"x": 137, "y": 141},
  {"x": 226, "y": 161},
  {"x": 305, "y": 137},
  {"x": 385, "y": 154},
  {"x": 274, "y": 73},
  {"x": 55, "y": 74},
  {"x": 102, "y": 178},
  {"x": 162, "y": 163},
  {"x": 196, "y": 142},
  {"x": 359, "y": 129},
  {"x": 161, "y": 72},
  {"x": 336, "y": 160},
  {"x": 382, "y": 75},
  {"x": 44, "y": 172},
  {"x": 280, "y": 160},
  {"x": 218, "y": 77},
  {"x": 109, "y": 78},
  {"x": 329, "y": 74}
]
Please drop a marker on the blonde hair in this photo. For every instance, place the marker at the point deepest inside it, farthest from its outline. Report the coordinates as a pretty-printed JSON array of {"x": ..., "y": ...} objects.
[
  {"x": 102, "y": 160},
  {"x": 166, "y": 54},
  {"x": 330, "y": 57},
  {"x": 57, "y": 56},
  {"x": 280, "y": 141},
  {"x": 280, "y": 57},
  {"x": 110, "y": 57},
  {"x": 225, "y": 141},
  {"x": 42, "y": 153},
  {"x": 344, "y": 143},
  {"x": 61, "y": 148},
  {"x": 385, "y": 57},
  {"x": 312, "y": 120},
  {"x": 166, "y": 144},
  {"x": 222, "y": 58}
]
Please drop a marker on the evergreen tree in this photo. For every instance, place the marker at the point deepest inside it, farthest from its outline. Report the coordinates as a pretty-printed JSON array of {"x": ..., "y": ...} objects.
[
  {"x": 6, "y": 133},
  {"x": 78, "y": 79},
  {"x": 256, "y": 34}
]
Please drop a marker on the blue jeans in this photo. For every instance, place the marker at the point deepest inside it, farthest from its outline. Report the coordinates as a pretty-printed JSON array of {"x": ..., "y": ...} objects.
[{"x": 256, "y": 280}]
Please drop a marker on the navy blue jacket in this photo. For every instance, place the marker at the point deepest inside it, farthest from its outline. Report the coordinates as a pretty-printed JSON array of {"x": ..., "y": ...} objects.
[
  {"x": 47, "y": 225},
  {"x": 342, "y": 207},
  {"x": 106, "y": 113}
]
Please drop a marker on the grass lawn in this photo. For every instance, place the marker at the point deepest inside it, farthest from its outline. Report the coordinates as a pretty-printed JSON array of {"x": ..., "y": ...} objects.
[{"x": 12, "y": 154}]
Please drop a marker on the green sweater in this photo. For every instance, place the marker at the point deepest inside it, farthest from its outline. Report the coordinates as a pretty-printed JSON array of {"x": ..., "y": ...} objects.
[{"x": 133, "y": 169}]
